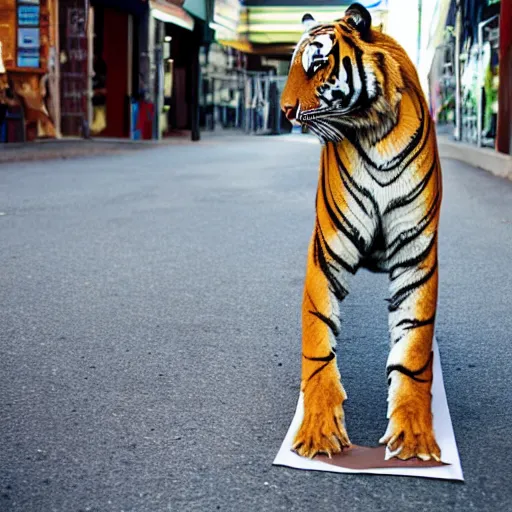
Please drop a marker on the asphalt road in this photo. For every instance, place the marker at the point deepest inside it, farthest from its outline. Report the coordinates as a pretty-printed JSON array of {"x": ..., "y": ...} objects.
[{"x": 150, "y": 335}]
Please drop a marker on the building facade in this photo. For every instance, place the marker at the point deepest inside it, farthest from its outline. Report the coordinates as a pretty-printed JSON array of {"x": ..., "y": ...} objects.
[
  {"x": 469, "y": 78},
  {"x": 101, "y": 68},
  {"x": 28, "y": 85}
]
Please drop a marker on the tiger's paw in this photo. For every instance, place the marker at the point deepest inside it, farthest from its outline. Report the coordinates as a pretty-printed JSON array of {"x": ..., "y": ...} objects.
[
  {"x": 322, "y": 434},
  {"x": 323, "y": 427},
  {"x": 410, "y": 434}
]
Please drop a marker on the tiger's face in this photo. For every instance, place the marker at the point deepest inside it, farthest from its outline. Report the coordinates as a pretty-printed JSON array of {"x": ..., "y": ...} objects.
[{"x": 337, "y": 77}]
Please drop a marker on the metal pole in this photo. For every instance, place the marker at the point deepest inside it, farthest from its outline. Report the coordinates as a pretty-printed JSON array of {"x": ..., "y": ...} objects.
[
  {"x": 196, "y": 80},
  {"x": 213, "y": 104},
  {"x": 158, "y": 91},
  {"x": 479, "y": 109},
  {"x": 420, "y": 13},
  {"x": 458, "y": 106}
]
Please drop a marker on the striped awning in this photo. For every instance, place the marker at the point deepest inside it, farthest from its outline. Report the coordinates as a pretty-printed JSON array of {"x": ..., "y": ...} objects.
[{"x": 268, "y": 24}]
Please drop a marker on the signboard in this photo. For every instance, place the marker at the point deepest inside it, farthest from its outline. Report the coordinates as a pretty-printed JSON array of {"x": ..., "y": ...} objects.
[
  {"x": 28, "y": 15},
  {"x": 28, "y": 47},
  {"x": 29, "y": 36}
]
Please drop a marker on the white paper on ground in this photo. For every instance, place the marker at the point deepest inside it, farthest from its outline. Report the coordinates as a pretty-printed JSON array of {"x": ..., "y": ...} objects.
[{"x": 442, "y": 426}]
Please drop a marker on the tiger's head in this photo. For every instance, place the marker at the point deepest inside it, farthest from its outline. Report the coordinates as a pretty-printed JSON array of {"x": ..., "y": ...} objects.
[{"x": 344, "y": 75}]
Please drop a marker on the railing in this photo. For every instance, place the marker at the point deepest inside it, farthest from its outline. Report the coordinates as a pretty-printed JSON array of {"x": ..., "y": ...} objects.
[{"x": 243, "y": 100}]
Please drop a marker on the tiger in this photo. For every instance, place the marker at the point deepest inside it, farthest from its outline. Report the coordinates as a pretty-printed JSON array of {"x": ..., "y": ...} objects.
[{"x": 377, "y": 207}]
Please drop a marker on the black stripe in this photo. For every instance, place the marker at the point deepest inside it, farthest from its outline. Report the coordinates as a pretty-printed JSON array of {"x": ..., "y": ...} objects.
[
  {"x": 335, "y": 52},
  {"x": 404, "y": 292},
  {"x": 353, "y": 235},
  {"x": 413, "y": 194},
  {"x": 338, "y": 259},
  {"x": 338, "y": 95},
  {"x": 407, "y": 236},
  {"x": 366, "y": 193},
  {"x": 413, "y": 323},
  {"x": 363, "y": 95},
  {"x": 346, "y": 179},
  {"x": 399, "y": 159},
  {"x": 345, "y": 28},
  {"x": 318, "y": 370},
  {"x": 414, "y": 260},
  {"x": 323, "y": 29},
  {"x": 325, "y": 359},
  {"x": 412, "y": 374},
  {"x": 332, "y": 325},
  {"x": 339, "y": 291},
  {"x": 350, "y": 42}
]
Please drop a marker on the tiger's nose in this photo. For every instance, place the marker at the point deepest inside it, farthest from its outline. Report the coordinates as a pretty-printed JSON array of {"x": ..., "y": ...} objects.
[{"x": 290, "y": 111}]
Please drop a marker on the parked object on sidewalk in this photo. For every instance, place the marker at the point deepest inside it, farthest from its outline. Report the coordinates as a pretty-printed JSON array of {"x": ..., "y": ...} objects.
[
  {"x": 145, "y": 119},
  {"x": 378, "y": 205},
  {"x": 135, "y": 129}
]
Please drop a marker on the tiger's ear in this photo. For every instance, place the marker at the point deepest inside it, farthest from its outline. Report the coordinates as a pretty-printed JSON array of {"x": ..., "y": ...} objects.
[
  {"x": 308, "y": 21},
  {"x": 358, "y": 17}
]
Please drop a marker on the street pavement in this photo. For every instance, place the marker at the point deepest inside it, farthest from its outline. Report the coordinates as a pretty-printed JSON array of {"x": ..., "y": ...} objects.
[{"x": 150, "y": 335}]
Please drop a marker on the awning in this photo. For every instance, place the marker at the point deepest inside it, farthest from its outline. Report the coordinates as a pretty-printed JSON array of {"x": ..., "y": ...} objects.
[
  {"x": 264, "y": 24},
  {"x": 170, "y": 13},
  {"x": 266, "y": 50}
]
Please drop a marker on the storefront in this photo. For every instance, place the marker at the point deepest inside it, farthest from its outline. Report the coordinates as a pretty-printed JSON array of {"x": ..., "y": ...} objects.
[
  {"x": 179, "y": 29},
  {"x": 27, "y": 84},
  {"x": 136, "y": 81},
  {"x": 99, "y": 66},
  {"x": 115, "y": 66},
  {"x": 465, "y": 75}
]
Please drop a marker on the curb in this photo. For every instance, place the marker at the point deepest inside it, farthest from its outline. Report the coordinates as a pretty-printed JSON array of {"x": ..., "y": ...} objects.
[
  {"x": 70, "y": 148},
  {"x": 487, "y": 159}
]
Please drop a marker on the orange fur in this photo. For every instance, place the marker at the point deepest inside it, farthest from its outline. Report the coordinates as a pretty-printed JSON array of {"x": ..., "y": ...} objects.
[{"x": 334, "y": 246}]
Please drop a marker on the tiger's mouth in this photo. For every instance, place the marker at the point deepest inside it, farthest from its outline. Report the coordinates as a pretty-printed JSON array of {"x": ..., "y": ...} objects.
[
  {"x": 321, "y": 113},
  {"x": 311, "y": 115}
]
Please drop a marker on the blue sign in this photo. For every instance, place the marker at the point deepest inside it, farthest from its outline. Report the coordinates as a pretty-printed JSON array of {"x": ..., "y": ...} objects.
[
  {"x": 28, "y": 38},
  {"x": 28, "y": 15},
  {"x": 28, "y": 58}
]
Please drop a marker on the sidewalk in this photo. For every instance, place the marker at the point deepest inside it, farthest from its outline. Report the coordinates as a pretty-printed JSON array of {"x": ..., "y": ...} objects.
[
  {"x": 490, "y": 160},
  {"x": 76, "y": 148}
]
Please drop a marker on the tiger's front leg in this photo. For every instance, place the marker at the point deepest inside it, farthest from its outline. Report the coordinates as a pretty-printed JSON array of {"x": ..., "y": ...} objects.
[
  {"x": 323, "y": 426},
  {"x": 412, "y": 309}
]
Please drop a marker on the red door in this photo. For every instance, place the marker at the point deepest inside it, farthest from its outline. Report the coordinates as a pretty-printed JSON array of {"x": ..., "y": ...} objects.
[{"x": 115, "y": 55}]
